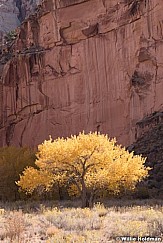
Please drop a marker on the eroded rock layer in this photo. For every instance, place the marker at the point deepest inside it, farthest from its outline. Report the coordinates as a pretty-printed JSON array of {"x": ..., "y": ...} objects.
[{"x": 93, "y": 65}]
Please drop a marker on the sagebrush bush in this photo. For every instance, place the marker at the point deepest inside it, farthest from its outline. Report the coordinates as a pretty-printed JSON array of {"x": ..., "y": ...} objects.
[
  {"x": 15, "y": 226},
  {"x": 137, "y": 221},
  {"x": 74, "y": 219},
  {"x": 101, "y": 209},
  {"x": 92, "y": 236},
  {"x": 100, "y": 224}
]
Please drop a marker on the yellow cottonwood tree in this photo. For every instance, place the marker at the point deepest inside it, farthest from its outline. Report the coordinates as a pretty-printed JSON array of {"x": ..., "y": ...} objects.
[{"x": 86, "y": 163}]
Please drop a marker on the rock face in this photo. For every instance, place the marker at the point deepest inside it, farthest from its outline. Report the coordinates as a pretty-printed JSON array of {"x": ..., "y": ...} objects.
[
  {"x": 12, "y": 12},
  {"x": 8, "y": 16},
  {"x": 93, "y": 65},
  {"x": 26, "y": 7},
  {"x": 150, "y": 145}
]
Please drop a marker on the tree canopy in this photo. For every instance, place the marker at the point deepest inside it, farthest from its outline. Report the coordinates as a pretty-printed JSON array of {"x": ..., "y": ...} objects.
[{"x": 86, "y": 163}]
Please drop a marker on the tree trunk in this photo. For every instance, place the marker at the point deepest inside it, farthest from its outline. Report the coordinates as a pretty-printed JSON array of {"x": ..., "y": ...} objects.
[
  {"x": 84, "y": 196},
  {"x": 91, "y": 199},
  {"x": 87, "y": 198}
]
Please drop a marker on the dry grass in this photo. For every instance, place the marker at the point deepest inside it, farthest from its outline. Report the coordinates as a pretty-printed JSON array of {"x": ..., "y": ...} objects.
[
  {"x": 14, "y": 226},
  {"x": 59, "y": 224}
]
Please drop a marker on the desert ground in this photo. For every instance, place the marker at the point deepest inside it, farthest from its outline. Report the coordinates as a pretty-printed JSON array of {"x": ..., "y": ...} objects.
[{"x": 60, "y": 222}]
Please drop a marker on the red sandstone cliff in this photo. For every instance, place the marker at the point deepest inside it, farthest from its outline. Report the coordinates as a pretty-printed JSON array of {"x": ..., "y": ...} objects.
[{"x": 83, "y": 65}]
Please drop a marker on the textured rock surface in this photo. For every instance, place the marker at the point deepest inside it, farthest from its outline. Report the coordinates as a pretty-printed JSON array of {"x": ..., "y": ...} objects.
[
  {"x": 12, "y": 12},
  {"x": 150, "y": 145},
  {"x": 26, "y": 7},
  {"x": 8, "y": 15},
  {"x": 83, "y": 65}
]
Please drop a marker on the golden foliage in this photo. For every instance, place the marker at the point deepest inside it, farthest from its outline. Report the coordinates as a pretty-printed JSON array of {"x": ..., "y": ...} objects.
[
  {"x": 33, "y": 178},
  {"x": 87, "y": 163}
]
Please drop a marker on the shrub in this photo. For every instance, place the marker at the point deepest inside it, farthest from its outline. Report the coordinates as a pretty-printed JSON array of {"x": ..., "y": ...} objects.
[
  {"x": 135, "y": 221},
  {"x": 15, "y": 226},
  {"x": 12, "y": 162}
]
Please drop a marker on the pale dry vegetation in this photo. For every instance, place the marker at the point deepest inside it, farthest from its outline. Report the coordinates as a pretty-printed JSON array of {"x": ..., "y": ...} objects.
[{"x": 56, "y": 223}]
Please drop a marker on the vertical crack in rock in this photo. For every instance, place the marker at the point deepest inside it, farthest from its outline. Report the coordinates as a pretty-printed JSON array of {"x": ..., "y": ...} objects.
[
  {"x": 155, "y": 79},
  {"x": 148, "y": 19},
  {"x": 23, "y": 131},
  {"x": 17, "y": 92}
]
